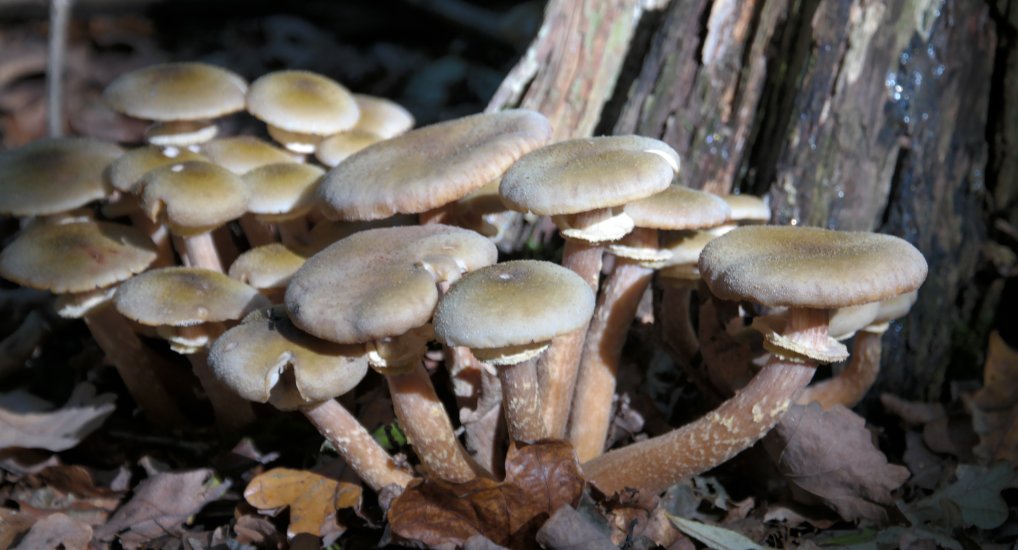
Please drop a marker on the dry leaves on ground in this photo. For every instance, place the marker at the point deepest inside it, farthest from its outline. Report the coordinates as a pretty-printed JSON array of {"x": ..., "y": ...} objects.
[
  {"x": 995, "y": 406},
  {"x": 540, "y": 479},
  {"x": 830, "y": 454},
  {"x": 27, "y": 421},
  {"x": 313, "y": 498},
  {"x": 57, "y": 531},
  {"x": 69, "y": 490}
]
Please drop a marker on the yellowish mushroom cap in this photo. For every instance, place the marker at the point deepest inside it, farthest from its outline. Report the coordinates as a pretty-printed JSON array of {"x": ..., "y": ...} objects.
[
  {"x": 252, "y": 359},
  {"x": 126, "y": 172},
  {"x": 302, "y": 101},
  {"x": 241, "y": 154},
  {"x": 748, "y": 208},
  {"x": 382, "y": 117},
  {"x": 177, "y": 91},
  {"x": 339, "y": 147},
  {"x": 283, "y": 190},
  {"x": 54, "y": 175},
  {"x": 677, "y": 208},
  {"x": 193, "y": 197},
  {"x": 186, "y": 296},
  {"x": 268, "y": 266}
]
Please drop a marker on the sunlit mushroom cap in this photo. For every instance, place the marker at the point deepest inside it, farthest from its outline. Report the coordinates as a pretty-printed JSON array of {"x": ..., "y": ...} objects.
[
  {"x": 243, "y": 153},
  {"x": 381, "y": 282},
  {"x": 268, "y": 266},
  {"x": 193, "y": 197},
  {"x": 282, "y": 190},
  {"x": 685, "y": 246},
  {"x": 302, "y": 101},
  {"x": 808, "y": 267},
  {"x": 339, "y": 147},
  {"x": 54, "y": 175},
  {"x": 382, "y": 117},
  {"x": 511, "y": 304},
  {"x": 582, "y": 175},
  {"x": 180, "y": 133},
  {"x": 177, "y": 91},
  {"x": 126, "y": 172},
  {"x": 76, "y": 257},
  {"x": 748, "y": 208},
  {"x": 252, "y": 357},
  {"x": 431, "y": 166},
  {"x": 678, "y": 207},
  {"x": 186, "y": 296}
]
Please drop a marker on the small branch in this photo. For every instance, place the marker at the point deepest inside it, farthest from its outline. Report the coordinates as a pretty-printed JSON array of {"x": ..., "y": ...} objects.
[{"x": 59, "y": 19}]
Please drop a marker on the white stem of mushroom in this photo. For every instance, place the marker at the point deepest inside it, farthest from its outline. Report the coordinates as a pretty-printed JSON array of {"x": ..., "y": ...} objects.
[
  {"x": 201, "y": 252},
  {"x": 521, "y": 400}
]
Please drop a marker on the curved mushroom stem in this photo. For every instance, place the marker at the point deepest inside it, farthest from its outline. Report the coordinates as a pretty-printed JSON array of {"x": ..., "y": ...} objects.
[
  {"x": 522, "y": 401},
  {"x": 364, "y": 455},
  {"x": 660, "y": 462},
  {"x": 232, "y": 411},
  {"x": 852, "y": 383},
  {"x": 427, "y": 426},
  {"x": 595, "y": 386},
  {"x": 676, "y": 323},
  {"x": 558, "y": 366}
]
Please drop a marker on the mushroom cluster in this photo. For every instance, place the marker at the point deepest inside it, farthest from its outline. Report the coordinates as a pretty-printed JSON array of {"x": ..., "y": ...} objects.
[{"x": 283, "y": 272}]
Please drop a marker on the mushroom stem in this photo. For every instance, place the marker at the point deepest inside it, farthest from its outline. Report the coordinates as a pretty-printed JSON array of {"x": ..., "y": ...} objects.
[
  {"x": 232, "y": 411},
  {"x": 658, "y": 463},
  {"x": 676, "y": 322},
  {"x": 521, "y": 401},
  {"x": 850, "y": 385},
  {"x": 557, "y": 367},
  {"x": 439, "y": 214},
  {"x": 138, "y": 366},
  {"x": 364, "y": 455},
  {"x": 423, "y": 418},
  {"x": 201, "y": 252},
  {"x": 595, "y": 385},
  {"x": 293, "y": 233},
  {"x": 257, "y": 232},
  {"x": 60, "y": 15}
]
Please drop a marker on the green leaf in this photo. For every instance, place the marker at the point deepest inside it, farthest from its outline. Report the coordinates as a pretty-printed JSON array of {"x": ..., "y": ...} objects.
[
  {"x": 973, "y": 500},
  {"x": 716, "y": 538}
]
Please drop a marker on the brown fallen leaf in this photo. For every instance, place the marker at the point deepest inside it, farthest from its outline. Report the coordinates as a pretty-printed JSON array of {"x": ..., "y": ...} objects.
[
  {"x": 313, "y": 498},
  {"x": 56, "y": 531},
  {"x": 995, "y": 406},
  {"x": 12, "y": 525},
  {"x": 70, "y": 490},
  {"x": 831, "y": 455},
  {"x": 161, "y": 505},
  {"x": 26, "y": 421},
  {"x": 540, "y": 479},
  {"x": 943, "y": 431}
]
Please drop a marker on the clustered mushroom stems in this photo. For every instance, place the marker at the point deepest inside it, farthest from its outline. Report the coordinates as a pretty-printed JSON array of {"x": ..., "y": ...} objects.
[
  {"x": 257, "y": 232},
  {"x": 201, "y": 251},
  {"x": 232, "y": 412},
  {"x": 676, "y": 319},
  {"x": 850, "y": 385},
  {"x": 293, "y": 232},
  {"x": 357, "y": 447},
  {"x": 658, "y": 463},
  {"x": 521, "y": 401},
  {"x": 557, "y": 367},
  {"x": 602, "y": 352}
]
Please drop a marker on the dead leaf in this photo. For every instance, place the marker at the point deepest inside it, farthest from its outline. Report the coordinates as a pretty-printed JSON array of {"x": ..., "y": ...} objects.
[
  {"x": 714, "y": 536},
  {"x": 12, "y": 525},
  {"x": 70, "y": 490},
  {"x": 567, "y": 529},
  {"x": 944, "y": 431},
  {"x": 830, "y": 454},
  {"x": 313, "y": 498},
  {"x": 995, "y": 406},
  {"x": 257, "y": 531},
  {"x": 972, "y": 500},
  {"x": 55, "y": 531},
  {"x": 540, "y": 479},
  {"x": 26, "y": 422},
  {"x": 161, "y": 505}
]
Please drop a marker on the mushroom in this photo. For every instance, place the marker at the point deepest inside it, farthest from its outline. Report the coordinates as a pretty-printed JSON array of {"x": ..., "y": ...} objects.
[
  {"x": 283, "y": 193},
  {"x": 380, "y": 119},
  {"x": 675, "y": 208},
  {"x": 380, "y": 287},
  {"x": 84, "y": 261},
  {"x": 267, "y": 360},
  {"x": 268, "y": 268},
  {"x": 583, "y": 183},
  {"x": 507, "y": 314},
  {"x": 808, "y": 270},
  {"x": 241, "y": 154}
]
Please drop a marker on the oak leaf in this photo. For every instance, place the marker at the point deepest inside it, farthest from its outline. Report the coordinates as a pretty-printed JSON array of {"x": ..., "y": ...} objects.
[
  {"x": 995, "y": 406},
  {"x": 27, "y": 421},
  {"x": 540, "y": 479},
  {"x": 313, "y": 498}
]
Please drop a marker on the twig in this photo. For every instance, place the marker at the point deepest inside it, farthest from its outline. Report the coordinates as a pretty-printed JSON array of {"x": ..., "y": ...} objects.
[{"x": 59, "y": 18}]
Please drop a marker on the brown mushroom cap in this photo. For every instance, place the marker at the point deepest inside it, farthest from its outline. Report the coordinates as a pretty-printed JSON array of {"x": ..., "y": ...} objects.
[
  {"x": 748, "y": 208},
  {"x": 251, "y": 358},
  {"x": 76, "y": 257},
  {"x": 381, "y": 282},
  {"x": 583, "y": 175},
  {"x": 177, "y": 91},
  {"x": 186, "y": 296},
  {"x": 677, "y": 208},
  {"x": 194, "y": 196},
  {"x": 268, "y": 266},
  {"x": 339, "y": 147},
  {"x": 282, "y": 190},
  {"x": 302, "y": 101},
  {"x": 511, "y": 304},
  {"x": 241, "y": 154},
  {"x": 126, "y": 172},
  {"x": 806, "y": 267},
  {"x": 382, "y": 117},
  {"x": 54, "y": 175},
  {"x": 431, "y": 166}
]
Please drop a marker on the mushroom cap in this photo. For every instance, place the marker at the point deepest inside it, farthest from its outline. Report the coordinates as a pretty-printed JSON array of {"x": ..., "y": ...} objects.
[
  {"x": 381, "y": 282},
  {"x": 186, "y": 296},
  {"x": 267, "y": 266},
  {"x": 54, "y": 175},
  {"x": 678, "y": 207},
  {"x": 180, "y": 133},
  {"x": 382, "y": 117},
  {"x": 284, "y": 189},
  {"x": 251, "y": 358},
  {"x": 431, "y": 166},
  {"x": 240, "y": 154},
  {"x": 302, "y": 101},
  {"x": 339, "y": 147},
  {"x": 76, "y": 257},
  {"x": 582, "y": 175},
  {"x": 808, "y": 267},
  {"x": 748, "y": 208},
  {"x": 177, "y": 91},
  {"x": 896, "y": 307},
  {"x": 326, "y": 232},
  {"x": 126, "y": 172},
  {"x": 194, "y": 196},
  {"x": 685, "y": 246},
  {"x": 511, "y": 304}
]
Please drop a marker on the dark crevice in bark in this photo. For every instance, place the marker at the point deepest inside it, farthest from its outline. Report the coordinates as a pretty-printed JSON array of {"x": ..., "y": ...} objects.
[
  {"x": 894, "y": 196},
  {"x": 636, "y": 56}
]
